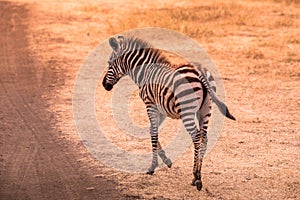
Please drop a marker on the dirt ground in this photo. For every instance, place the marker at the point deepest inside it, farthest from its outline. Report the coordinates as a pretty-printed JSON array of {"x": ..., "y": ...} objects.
[{"x": 255, "y": 45}]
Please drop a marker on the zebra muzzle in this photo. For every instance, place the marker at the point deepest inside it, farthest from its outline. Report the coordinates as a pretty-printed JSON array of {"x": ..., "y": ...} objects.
[{"x": 107, "y": 86}]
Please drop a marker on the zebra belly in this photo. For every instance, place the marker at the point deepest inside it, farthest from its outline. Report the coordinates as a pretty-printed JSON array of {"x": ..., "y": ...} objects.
[
  {"x": 168, "y": 109},
  {"x": 162, "y": 98},
  {"x": 173, "y": 106},
  {"x": 174, "y": 95}
]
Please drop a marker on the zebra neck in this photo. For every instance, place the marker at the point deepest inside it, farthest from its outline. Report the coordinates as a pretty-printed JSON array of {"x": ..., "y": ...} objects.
[
  {"x": 143, "y": 63},
  {"x": 148, "y": 73},
  {"x": 139, "y": 74}
]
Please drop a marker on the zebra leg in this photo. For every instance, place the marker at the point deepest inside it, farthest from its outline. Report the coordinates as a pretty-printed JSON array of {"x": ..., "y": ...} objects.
[
  {"x": 203, "y": 116},
  {"x": 154, "y": 121},
  {"x": 163, "y": 156},
  {"x": 190, "y": 125},
  {"x": 200, "y": 145},
  {"x": 161, "y": 152}
]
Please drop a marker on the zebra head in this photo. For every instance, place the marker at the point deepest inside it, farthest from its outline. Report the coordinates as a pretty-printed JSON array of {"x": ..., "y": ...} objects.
[{"x": 115, "y": 69}]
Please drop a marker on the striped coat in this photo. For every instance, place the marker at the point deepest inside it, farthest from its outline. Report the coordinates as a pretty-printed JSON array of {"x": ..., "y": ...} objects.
[{"x": 183, "y": 91}]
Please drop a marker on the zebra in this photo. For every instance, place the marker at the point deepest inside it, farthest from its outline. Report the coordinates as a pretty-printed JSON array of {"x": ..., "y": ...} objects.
[{"x": 183, "y": 92}]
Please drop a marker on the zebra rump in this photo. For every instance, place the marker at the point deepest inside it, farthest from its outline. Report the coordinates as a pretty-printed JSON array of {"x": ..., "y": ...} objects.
[{"x": 206, "y": 80}]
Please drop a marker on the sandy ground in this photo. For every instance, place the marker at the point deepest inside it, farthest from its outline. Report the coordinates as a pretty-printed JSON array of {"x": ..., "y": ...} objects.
[{"x": 256, "y": 46}]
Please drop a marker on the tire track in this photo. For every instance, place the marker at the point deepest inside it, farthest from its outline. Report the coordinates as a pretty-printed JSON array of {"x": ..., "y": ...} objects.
[{"x": 34, "y": 164}]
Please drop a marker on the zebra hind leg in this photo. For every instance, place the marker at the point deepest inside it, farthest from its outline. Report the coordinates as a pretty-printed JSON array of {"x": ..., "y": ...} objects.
[
  {"x": 198, "y": 138},
  {"x": 200, "y": 142},
  {"x": 200, "y": 145}
]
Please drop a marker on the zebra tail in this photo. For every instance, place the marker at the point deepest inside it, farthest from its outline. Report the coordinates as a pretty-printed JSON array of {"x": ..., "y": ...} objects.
[{"x": 222, "y": 106}]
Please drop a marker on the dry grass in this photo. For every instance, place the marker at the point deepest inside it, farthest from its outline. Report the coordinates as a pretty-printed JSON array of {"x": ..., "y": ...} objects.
[
  {"x": 195, "y": 21},
  {"x": 253, "y": 53},
  {"x": 256, "y": 46},
  {"x": 272, "y": 28},
  {"x": 287, "y": 2}
]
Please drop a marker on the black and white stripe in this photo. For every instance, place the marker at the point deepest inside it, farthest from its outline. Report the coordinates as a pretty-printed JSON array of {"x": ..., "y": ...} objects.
[{"x": 181, "y": 92}]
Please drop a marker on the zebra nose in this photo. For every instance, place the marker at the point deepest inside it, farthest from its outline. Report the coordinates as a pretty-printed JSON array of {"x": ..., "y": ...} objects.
[{"x": 107, "y": 86}]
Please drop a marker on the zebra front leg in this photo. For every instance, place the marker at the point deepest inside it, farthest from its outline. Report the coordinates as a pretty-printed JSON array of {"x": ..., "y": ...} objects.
[
  {"x": 154, "y": 163},
  {"x": 161, "y": 152},
  {"x": 200, "y": 145},
  {"x": 154, "y": 122},
  {"x": 163, "y": 156}
]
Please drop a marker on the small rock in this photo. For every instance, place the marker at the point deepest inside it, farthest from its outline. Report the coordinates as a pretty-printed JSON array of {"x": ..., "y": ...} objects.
[
  {"x": 256, "y": 176},
  {"x": 90, "y": 188}
]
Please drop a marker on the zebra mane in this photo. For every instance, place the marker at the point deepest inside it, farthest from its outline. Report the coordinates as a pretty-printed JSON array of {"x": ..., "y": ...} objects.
[{"x": 138, "y": 43}]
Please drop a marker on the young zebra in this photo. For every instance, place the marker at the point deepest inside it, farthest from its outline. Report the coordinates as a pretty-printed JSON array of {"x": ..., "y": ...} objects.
[{"x": 180, "y": 92}]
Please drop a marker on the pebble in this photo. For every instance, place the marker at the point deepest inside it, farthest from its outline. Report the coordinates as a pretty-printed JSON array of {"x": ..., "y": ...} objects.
[
  {"x": 98, "y": 176},
  {"x": 90, "y": 188}
]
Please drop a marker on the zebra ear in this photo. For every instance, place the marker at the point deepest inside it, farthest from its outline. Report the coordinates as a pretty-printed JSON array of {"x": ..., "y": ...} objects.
[
  {"x": 121, "y": 37},
  {"x": 121, "y": 40},
  {"x": 113, "y": 43}
]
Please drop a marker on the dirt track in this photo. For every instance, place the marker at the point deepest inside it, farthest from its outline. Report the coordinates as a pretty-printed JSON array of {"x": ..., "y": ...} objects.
[
  {"x": 35, "y": 163},
  {"x": 41, "y": 48}
]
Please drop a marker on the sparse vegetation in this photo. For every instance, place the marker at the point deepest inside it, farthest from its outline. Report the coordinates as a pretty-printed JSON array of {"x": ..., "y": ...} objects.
[
  {"x": 256, "y": 46},
  {"x": 288, "y": 2},
  {"x": 254, "y": 53}
]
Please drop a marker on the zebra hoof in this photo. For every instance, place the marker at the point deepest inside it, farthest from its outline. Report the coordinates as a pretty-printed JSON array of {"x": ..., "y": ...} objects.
[
  {"x": 193, "y": 182},
  {"x": 150, "y": 172},
  {"x": 198, "y": 184},
  {"x": 168, "y": 162}
]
